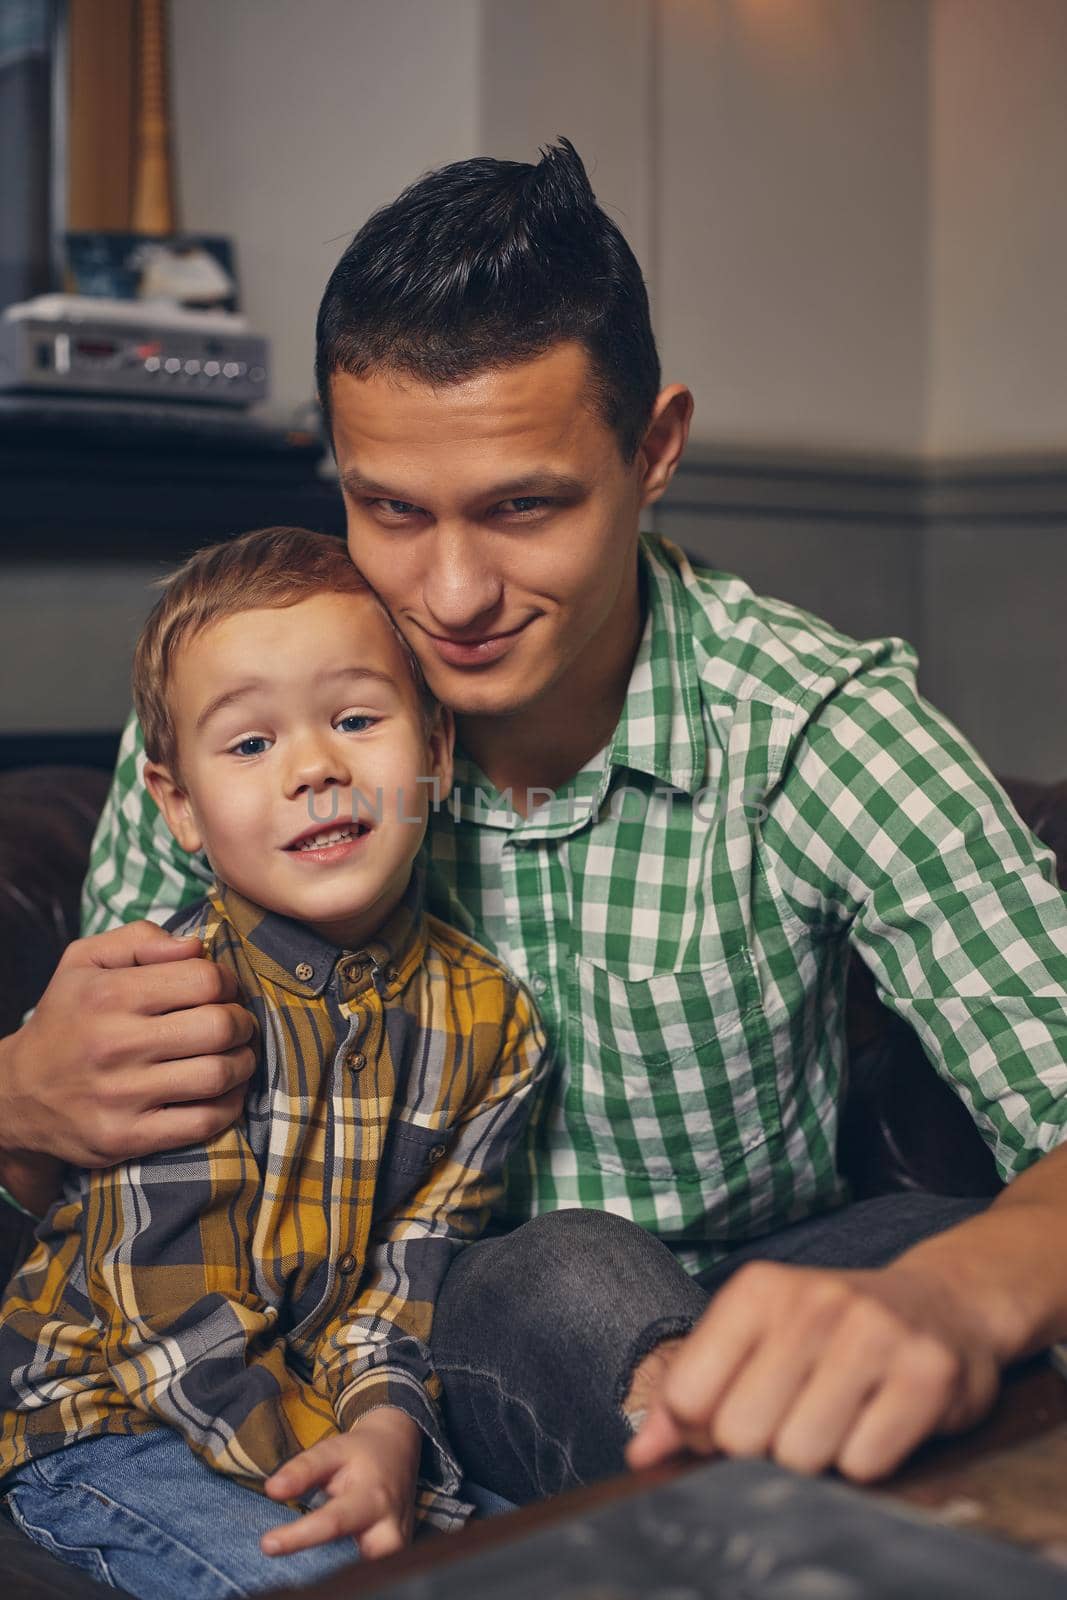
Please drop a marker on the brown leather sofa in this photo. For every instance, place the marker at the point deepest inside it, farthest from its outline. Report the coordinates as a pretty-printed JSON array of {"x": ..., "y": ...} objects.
[{"x": 901, "y": 1126}]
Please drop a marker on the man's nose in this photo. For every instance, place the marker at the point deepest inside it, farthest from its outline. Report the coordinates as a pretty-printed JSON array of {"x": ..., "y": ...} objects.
[
  {"x": 461, "y": 588},
  {"x": 316, "y": 762}
]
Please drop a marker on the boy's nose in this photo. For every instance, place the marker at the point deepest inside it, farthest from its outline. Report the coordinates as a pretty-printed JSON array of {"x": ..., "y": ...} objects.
[{"x": 316, "y": 764}]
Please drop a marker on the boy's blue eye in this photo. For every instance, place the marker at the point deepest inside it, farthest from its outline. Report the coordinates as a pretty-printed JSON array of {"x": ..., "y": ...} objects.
[
  {"x": 254, "y": 745},
  {"x": 355, "y": 723}
]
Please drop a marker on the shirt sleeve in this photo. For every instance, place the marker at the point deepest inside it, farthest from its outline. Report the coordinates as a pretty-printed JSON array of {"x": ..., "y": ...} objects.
[
  {"x": 377, "y": 1353},
  {"x": 136, "y": 866},
  {"x": 187, "y": 1338},
  {"x": 887, "y": 825}
]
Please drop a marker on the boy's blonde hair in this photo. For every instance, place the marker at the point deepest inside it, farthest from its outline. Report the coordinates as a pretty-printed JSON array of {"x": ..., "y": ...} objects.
[{"x": 266, "y": 568}]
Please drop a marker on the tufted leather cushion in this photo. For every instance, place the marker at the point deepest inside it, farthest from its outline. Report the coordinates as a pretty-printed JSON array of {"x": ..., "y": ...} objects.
[{"x": 47, "y": 817}]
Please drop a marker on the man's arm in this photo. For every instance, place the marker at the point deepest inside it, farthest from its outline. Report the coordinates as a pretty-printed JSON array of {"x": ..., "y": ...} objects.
[
  {"x": 853, "y": 1370},
  {"x": 136, "y": 1044},
  {"x": 888, "y": 826}
]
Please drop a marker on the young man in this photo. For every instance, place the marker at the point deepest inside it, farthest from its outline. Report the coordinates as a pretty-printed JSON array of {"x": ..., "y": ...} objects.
[
  {"x": 252, "y": 1314},
  {"x": 678, "y": 805}
]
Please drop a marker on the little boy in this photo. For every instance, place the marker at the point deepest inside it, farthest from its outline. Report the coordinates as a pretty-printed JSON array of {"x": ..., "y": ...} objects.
[{"x": 254, "y": 1313}]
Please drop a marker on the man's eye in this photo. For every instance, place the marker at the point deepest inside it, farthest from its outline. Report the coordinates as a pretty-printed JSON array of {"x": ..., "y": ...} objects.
[
  {"x": 523, "y": 504},
  {"x": 355, "y": 722},
  {"x": 254, "y": 745},
  {"x": 394, "y": 508}
]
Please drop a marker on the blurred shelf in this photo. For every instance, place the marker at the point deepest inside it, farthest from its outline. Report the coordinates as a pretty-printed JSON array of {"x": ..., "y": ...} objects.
[{"x": 103, "y": 480}]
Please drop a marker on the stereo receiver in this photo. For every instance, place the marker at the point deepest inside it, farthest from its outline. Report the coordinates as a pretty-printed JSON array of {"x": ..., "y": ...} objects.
[{"x": 66, "y": 344}]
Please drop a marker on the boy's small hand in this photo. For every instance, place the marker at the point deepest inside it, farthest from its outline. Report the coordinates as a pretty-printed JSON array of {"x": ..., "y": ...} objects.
[{"x": 369, "y": 1475}]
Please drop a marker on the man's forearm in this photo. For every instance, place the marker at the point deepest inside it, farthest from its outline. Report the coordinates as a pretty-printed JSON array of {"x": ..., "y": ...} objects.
[{"x": 1009, "y": 1263}]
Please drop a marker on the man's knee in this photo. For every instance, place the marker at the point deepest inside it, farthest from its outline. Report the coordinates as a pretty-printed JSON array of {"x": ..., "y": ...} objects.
[{"x": 563, "y": 1278}]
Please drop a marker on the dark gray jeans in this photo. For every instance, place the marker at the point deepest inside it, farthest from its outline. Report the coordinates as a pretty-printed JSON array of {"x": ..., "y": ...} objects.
[{"x": 537, "y": 1332}]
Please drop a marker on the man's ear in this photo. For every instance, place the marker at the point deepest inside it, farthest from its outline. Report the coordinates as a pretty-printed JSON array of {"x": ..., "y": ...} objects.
[
  {"x": 175, "y": 805},
  {"x": 441, "y": 738},
  {"x": 665, "y": 439}
]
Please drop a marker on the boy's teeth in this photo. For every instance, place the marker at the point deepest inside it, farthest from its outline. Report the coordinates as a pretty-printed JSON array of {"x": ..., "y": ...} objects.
[{"x": 331, "y": 836}]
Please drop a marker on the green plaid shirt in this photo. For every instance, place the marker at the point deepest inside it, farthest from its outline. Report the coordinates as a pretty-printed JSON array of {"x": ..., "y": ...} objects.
[{"x": 683, "y": 909}]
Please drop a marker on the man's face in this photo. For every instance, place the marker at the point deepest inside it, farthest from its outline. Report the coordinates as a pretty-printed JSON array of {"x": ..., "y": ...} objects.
[
  {"x": 301, "y": 739},
  {"x": 496, "y": 519}
]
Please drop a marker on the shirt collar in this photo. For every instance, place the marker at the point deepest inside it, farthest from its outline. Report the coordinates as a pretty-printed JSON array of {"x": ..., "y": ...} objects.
[
  {"x": 661, "y": 731},
  {"x": 297, "y": 959}
]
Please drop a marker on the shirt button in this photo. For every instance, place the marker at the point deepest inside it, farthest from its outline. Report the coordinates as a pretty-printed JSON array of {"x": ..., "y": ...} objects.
[
  {"x": 356, "y": 1060},
  {"x": 538, "y": 984},
  {"x": 353, "y": 971},
  {"x": 304, "y": 972},
  {"x": 346, "y": 1266},
  {"x": 437, "y": 1152}
]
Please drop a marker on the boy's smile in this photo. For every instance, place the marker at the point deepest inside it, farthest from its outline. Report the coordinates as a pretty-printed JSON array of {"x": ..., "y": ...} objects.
[{"x": 305, "y": 760}]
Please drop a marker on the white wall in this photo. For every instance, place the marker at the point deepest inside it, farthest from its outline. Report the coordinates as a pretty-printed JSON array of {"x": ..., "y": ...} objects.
[
  {"x": 296, "y": 118},
  {"x": 848, "y": 211},
  {"x": 998, "y": 224},
  {"x": 586, "y": 69},
  {"x": 792, "y": 221},
  {"x": 769, "y": 165}
]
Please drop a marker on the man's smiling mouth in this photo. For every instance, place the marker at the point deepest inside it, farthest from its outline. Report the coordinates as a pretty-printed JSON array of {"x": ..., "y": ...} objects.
[{"x": 475, "y": 652}]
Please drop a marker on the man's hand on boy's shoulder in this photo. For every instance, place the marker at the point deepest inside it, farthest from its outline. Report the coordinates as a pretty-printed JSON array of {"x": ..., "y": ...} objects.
[
  {"x": 369, "y": 1475},
  {"x": 137, "y": 1045}
]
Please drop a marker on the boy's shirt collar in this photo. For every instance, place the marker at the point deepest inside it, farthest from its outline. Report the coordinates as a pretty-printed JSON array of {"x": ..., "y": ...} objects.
[{"x": 293, "y": 956}]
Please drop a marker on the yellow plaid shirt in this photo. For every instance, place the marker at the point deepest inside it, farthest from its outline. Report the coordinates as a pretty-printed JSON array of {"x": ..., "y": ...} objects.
[{"x": 267, "y": 1289}]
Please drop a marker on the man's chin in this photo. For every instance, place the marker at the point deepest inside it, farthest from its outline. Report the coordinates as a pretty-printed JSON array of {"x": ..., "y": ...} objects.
[{"x": 485, "y": 700}]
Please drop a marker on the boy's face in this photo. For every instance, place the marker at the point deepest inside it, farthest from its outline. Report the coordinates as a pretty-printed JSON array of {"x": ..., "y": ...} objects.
[{"x": 301, "y": 739}]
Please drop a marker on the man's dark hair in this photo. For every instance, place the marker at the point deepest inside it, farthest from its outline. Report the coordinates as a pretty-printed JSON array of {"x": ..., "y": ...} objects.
[{"x": 487, "y": 263}]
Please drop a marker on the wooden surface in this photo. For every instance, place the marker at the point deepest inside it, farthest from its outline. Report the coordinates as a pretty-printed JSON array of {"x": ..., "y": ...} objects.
[{"x": 1007, "y": 1478}]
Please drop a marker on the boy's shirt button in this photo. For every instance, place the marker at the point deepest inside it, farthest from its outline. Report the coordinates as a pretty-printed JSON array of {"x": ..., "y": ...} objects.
[
  {"x": 352, "y": 971},
  {"x": 347, "y": 1265},
  {"x": 305, "y": 972},
  {"x": 437, "y": 1152},
  {"x": 356, "y": 1060}
]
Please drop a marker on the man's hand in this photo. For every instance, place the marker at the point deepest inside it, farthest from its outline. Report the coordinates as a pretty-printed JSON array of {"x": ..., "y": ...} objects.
[
  {"x": 369, "y": 1475},
  {"x": 820, "y": 1369},
  {"x": 137, "y": 1045}
]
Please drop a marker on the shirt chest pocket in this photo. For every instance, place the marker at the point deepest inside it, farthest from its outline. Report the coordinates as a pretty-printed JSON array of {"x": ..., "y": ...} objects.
[
  {"x": 673, "y": 1076},
  {"x": 410, "y": 1154}
]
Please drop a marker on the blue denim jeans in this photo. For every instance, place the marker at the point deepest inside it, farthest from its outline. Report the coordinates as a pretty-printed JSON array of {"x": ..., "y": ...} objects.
[
  {"x": 143, "y": 1513},
  {"x": 538, "y": 1332}
]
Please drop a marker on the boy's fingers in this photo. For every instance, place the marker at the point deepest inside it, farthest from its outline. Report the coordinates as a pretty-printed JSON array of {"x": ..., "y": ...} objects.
[
  {"x": 312, "y": 1466},
  {"x": 335, "y": 1520},
  {"x": 383, "y": 1538}
]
